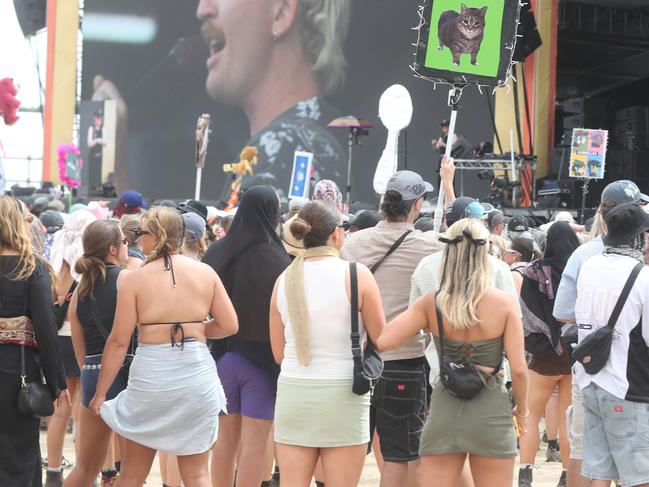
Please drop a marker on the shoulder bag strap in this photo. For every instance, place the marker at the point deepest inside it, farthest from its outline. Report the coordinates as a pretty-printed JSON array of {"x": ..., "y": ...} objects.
[
  {"x": 23, "y": 369},
  {"x": 394, "y": 247},
  {"x": 440, "y": 328},
  {"x": 65, "y": 305},
  {"x": 355, "y": 335},
  {"x": 95, "y": 313},
  {"x": 625, "y": 294}
]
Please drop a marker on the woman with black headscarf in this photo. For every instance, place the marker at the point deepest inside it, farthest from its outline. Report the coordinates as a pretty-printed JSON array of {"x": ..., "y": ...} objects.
[
  {"x": 248, "y": 260},
  {"x": 550, "y": 364}
]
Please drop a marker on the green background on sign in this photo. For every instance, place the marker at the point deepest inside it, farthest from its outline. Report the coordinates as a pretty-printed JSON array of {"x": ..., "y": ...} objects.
[{"x": 489, "y": 56}]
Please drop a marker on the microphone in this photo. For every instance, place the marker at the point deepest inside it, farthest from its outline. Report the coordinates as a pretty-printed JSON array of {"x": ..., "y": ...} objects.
[
  {"x": 186, "y": 53},
  {"x": 188, "y": 50}
]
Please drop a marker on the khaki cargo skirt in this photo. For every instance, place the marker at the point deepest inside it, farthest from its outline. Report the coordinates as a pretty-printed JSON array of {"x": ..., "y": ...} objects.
[
  {"x": 482, "y": 426},
  {"x": 320, "y": 413}
]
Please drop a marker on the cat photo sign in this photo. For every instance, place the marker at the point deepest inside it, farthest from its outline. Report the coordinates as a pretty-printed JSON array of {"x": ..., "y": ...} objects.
[{"x": 467, "y": 41}]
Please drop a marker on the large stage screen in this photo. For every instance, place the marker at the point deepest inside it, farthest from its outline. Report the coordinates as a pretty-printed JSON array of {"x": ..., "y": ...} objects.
[{"x": 276, "y": 78}]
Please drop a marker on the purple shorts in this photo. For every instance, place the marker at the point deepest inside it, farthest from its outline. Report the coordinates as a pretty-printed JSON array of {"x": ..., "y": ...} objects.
[{"x": 249, "y": 390}]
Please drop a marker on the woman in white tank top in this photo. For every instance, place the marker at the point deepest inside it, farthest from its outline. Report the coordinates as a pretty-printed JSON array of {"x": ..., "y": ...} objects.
[{"x": 317, "y": 416}]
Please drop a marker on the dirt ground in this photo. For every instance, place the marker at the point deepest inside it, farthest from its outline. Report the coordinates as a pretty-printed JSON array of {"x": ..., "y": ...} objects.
[{"x": 545, "y": 474}]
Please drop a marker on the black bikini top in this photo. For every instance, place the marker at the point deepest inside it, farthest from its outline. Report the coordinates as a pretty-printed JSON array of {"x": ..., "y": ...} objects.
[{"x": 177, "y": 327}]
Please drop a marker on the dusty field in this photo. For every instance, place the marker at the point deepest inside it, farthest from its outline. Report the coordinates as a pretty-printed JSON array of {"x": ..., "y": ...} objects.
[{"x": 545, "y": 474}]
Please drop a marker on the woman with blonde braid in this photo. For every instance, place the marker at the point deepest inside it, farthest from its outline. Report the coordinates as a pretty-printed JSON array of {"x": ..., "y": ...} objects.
[
  {"x": 174, "y": 395},
  {"x": 317, "y": 415},
  {"x": 473, "y": 324},
  {"x": 27, "y": 329}
]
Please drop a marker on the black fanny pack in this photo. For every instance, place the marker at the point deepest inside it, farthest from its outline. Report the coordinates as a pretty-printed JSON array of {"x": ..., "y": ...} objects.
[
  {"x": 538, "y": 343},
  {"x": 593, "y": 351},
  {"x": 462, "y": 379}
]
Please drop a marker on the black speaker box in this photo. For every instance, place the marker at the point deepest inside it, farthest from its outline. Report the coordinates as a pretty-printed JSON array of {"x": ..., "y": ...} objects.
[
  {"x": 584, "y": 121},
  {"x": 530, "y": 39},
  {"x": 559, "y": 193},
  {"x": 632, "y": 113},
  {"x": 587, "y": 106},
  {"x": 627, "y": 164},
  {"x": 560, "y": 161},
  {"x": 32, "y": 15}
]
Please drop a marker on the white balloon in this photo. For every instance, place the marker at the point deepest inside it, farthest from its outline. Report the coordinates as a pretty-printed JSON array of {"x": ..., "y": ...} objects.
[
  {"x": 395, "y": 108},
  {"x": 395, "y": 111}
]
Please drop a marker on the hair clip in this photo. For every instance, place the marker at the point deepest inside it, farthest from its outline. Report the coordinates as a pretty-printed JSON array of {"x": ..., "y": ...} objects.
[
  {"x": 450, "y": 241},
  {"x": 476, "y": 241}
]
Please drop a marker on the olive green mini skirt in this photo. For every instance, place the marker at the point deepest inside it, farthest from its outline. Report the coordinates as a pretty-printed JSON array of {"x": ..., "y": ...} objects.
[
  {"x": 320, "y": 413},
  {"x": 481, "y": 426}
]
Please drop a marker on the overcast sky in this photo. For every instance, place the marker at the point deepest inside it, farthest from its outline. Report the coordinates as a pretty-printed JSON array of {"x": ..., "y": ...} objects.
[{"x": 17, "y": 61}]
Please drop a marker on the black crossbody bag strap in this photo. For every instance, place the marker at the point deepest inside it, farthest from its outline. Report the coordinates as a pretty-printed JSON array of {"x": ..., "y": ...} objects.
[
  {"x": 612, "y": 321},
  {"x": 61, "y": 311},
  {"x": 394, "y": 247},
  {"x": 102, "y": 330},
  {"x": 23, "y": 368},
  {"x": 440, "y": 332},
  {"x": 95, "y": 314},
  {"x": 355, "y": 335}
]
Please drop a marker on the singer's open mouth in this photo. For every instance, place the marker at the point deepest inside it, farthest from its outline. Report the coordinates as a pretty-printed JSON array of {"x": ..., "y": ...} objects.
[
  {"x": 216, "y": 45},
  {"x": 213, "y": 38}
]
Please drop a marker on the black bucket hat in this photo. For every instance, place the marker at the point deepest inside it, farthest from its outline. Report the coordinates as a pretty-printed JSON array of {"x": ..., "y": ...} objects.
[{"x": 624, "y": 222}]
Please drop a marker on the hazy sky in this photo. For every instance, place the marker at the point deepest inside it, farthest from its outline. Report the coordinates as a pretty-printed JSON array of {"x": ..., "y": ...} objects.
[{"x": 17, "y": 61}]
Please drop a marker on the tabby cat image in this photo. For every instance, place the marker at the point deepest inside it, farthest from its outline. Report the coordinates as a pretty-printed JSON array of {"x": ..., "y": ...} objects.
[{"x": 462, "y": 32}]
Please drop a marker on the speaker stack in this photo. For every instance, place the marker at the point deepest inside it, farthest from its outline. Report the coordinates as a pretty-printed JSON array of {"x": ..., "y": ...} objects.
[
  {"x": 632, "y": 128},
  {"x": 528, "y": 38},
  {"x": 32, "y": 15},
  {"x": 590, "y": 113},
  {"x": 583, "y": 113}
]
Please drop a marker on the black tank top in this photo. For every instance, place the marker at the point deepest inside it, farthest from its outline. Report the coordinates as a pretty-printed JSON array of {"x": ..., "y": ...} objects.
[{"x": 105, "y": 303}]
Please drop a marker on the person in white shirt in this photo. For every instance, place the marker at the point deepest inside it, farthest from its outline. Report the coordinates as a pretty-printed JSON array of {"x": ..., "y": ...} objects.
[
  {"x": 616, "y": 193},
  {"x": 616, "y": 398}
]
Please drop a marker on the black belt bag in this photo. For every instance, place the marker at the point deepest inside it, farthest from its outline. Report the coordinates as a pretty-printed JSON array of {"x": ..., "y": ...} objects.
[{"x": 461, "y": 379}]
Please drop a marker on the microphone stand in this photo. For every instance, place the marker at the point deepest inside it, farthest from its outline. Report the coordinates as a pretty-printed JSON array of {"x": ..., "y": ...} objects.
[
  {"x": 354, "y": 134},
  {"x": 584, "y": 193}
]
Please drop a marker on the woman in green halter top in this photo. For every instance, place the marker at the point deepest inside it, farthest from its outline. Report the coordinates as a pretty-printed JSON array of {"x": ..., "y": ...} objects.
[{"x": 479, "y": 324}]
